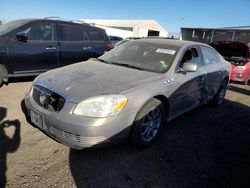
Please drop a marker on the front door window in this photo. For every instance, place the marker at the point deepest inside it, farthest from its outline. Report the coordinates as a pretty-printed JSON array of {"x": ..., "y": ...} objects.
[{"x": 40, "y": 32}]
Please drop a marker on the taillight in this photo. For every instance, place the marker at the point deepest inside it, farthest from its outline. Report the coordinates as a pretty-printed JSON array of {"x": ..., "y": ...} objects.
[{"x": 110, "y": 46}]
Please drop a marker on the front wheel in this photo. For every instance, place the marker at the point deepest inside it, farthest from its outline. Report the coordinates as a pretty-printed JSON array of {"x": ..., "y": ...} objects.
[
  {"x": 147, "y": 123},
  {"x": 220, "y": 95}
]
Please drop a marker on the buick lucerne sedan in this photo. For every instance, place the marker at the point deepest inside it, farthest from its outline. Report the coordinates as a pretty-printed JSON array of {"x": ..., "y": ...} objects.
[{"x": 129, "y": 92}]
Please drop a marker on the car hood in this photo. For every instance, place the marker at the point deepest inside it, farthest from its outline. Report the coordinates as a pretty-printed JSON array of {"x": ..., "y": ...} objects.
[
  {"x": 92, "y": 78},
  {"x": 231, "y": 48},
  {"x": 235, "y": 52}
]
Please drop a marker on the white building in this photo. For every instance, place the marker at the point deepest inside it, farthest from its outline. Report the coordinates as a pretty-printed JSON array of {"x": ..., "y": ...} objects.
[{"x": 129, "y": 28}]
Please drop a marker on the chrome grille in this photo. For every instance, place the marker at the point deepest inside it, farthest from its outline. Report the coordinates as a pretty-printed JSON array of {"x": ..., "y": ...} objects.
[
  {"x": 75, "y": 138},
  {"x": 48, "y": 99}
]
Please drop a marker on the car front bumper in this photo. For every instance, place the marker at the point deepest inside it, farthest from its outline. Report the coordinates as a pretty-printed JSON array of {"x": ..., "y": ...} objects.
[
  {"x": 76, "y": 131},
  {"x": 239, "y": 76}
]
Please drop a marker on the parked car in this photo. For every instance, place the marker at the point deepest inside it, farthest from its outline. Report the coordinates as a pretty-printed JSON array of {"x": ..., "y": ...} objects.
[
  {"x": 115, "y": 39},
  {"x": 238, "y": 55},
  {"x": 32, "y": 46},
  {"x": 127, "y": 93}
]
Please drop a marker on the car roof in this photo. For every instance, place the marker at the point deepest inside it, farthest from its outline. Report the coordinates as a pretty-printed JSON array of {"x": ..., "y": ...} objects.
[
  {"x": 24, "y": 20},
  {"x": 173, "y": 42},
  {"x": 177, "y": 43},
  {"x": 74, "y": 22},
  {"x": 54, "y": 20}
]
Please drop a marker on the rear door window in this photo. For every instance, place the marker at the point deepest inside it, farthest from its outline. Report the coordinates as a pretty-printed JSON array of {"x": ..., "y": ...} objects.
[
  {"x": 210, "y": 56},
  {"x": 70, "y": 33}
]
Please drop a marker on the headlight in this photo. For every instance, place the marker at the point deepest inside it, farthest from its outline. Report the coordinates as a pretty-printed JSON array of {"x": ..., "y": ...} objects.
[
  {"x": 240, "y": 68},
  {"x": 101, "y": 106}
]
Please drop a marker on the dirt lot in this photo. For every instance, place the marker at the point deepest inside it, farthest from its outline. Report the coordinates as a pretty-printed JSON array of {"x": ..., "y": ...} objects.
[{"x": 207, "y": 147}]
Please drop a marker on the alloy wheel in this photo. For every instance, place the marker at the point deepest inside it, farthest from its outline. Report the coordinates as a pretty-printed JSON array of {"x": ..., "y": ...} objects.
[{"x": 151, "y": 124}]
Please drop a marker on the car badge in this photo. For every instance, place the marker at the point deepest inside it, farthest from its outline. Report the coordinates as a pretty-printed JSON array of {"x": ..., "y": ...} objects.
[{"x": 42, "y": 98}]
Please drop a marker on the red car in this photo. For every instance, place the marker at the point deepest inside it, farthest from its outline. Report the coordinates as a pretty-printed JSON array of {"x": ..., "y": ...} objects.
[{"x": 238, "y": 55}]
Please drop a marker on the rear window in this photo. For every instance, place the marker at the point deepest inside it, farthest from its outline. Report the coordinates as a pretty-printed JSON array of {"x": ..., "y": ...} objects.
[
  {"x": 70, "y": 33},
  {"x": 95, "y": 35}
]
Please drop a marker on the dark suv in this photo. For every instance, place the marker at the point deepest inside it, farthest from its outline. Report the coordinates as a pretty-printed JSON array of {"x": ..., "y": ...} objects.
[{"x": 31, "y": 46}]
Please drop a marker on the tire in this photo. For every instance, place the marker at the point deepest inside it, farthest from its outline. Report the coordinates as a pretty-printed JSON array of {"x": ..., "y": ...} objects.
[
  {"x": 147, "y": 124},
  {"x": 3, "y": 74},
  {"x": 247, "y": 81},
  {"x": 220, "y": 95}
]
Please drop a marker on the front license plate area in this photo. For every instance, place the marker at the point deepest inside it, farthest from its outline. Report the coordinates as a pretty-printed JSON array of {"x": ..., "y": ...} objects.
[{"x": 37, "y": 119}]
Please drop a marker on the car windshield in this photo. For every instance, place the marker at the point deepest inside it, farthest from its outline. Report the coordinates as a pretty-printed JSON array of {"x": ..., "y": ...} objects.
[
  {"x": 143, "y": 55},
  {"x": 7, "y": 27}
]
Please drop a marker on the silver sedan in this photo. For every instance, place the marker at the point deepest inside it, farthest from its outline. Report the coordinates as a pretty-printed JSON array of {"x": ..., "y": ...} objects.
[{"x": 128, "y": 93}]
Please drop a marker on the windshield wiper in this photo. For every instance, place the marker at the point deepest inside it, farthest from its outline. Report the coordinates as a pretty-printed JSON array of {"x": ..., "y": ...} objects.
[
  {"x": 126, "y": 65},
  {"x": 121, "y": 64}
]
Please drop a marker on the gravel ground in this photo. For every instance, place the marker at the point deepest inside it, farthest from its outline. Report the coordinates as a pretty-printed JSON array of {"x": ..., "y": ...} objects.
[{"x": 207, "y": 147}]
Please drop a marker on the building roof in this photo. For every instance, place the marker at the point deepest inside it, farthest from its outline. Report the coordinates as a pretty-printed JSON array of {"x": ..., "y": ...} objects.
[
  {"x": 238, "y": 27},
  {"x": 221, "y": 28},
  {"x": 124, "y": 23}
]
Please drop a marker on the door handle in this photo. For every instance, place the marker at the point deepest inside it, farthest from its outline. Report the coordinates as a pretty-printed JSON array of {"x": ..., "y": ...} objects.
[
  {"x": 51, "y": 48},
  {"x": 87, "y": 48}
]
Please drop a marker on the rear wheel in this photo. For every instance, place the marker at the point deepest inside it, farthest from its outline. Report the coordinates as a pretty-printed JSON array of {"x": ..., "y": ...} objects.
[
  {"x": 3, "y": 74},
  {"x": 147, "y": 123},
  {"x": 220, "y": 95}
]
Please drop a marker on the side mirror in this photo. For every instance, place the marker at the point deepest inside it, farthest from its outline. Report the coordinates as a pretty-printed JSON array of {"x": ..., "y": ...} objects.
[
  {"x": 21, "y": 37},
  {"x": 189, "y": 67}
]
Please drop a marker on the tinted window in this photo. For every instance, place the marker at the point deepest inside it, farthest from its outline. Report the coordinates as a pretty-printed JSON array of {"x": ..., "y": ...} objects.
[
  {"x": 70, "y": 33},
  {"x": 40, "y": 31},
  {"x": 95, "y": 35},
  {"x": 210, "y": 56}
]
